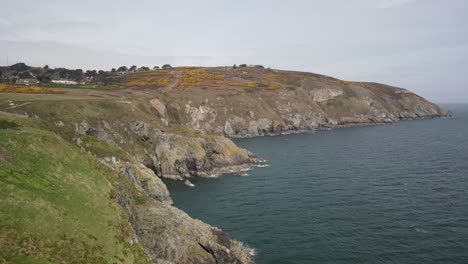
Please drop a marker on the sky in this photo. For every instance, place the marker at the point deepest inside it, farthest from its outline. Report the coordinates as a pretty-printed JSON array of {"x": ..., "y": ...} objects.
[{"x": 421, "y": 45}]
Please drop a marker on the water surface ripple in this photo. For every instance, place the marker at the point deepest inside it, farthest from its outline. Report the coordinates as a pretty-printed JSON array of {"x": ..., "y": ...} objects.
[{"x": 383, "y": 194}]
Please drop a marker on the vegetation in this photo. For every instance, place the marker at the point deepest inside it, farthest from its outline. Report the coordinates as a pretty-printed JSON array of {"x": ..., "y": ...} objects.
[
  {"x": 5, "y": 124},
  {"x": 5, "y": 88},
  {"x": 56, "y": 203},
  {"x": 239, "y": 78},
  {"x": 101, "y": 149},
  {"x": 148, "y": 79},
  {"x": 122, "y": 69},
  {"x": 198, "y": 78}
]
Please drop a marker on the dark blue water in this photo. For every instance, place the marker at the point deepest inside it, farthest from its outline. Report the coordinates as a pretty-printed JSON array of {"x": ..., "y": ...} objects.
[{"x": 382, "y": 194}]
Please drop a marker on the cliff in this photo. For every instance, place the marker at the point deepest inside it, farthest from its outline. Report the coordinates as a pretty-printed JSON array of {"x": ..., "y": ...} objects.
[
  {"x": 247, "y": 102},
  {"x": 61, "y": 204},
  {"x": 104, "y": 151}
]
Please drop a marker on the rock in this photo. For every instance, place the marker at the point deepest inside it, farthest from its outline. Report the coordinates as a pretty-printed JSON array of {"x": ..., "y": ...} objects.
[
  {"x": 325, "y": 94},
  {"x": 189, "y": 183},
  {"x": 260, "y": 127},
  {"x": 159, "y": 107},
  {"x": 142, "y": 130},
  {"x": 60, "y": 123},
  {"x": 201, "y": 117},
  {"x": 146, "y": 180},
  {"x": 170, "y": 234}
]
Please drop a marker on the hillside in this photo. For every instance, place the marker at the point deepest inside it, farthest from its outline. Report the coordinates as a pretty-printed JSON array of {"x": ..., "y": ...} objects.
[
  {"x": 61, "y": 204},
  {"x": 104, "y": 150},
  {"x": 255, "y": 101}
]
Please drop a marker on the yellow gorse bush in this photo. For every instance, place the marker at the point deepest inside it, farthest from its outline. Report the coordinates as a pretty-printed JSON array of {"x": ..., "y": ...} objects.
[
  {"x": 281, "y": 78},
  {"x": 25, "y": 89},
  {"x": 197, "y": 78},
  {"x": 201, "y": 78},
  {"x": 160, "y": 78}
]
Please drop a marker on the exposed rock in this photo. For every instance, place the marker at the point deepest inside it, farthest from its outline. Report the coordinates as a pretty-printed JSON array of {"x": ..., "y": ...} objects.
[
  {"x": 159, "y": 107},
  {"x": 325, "y": 94},
  {"x": 60, "y": 123},
  {"x": 142, "y": 178},
  {"x": 198, "y": 156},
  {"x": 201, "y": 115},
  {"x": 189, "y": 183},
  {"x": 170, "y": 234},
  {"x": 260, "y": 127}
]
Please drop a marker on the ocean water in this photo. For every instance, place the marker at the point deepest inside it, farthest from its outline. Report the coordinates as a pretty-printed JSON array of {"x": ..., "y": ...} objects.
[{"x": 383, "y": 194}]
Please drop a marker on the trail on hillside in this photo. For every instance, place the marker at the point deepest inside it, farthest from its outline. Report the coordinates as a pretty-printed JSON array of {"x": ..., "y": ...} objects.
[{"x": 176, "y": 78}]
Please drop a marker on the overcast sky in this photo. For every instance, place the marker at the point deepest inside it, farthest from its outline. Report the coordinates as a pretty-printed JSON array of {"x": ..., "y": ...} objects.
[{"x": 421, "y": 45}]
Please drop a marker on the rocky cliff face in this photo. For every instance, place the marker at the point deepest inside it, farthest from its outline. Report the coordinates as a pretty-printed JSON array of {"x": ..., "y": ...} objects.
[
  {"x": 297, "y": 101},
  {"x": 168, "y": 234}
]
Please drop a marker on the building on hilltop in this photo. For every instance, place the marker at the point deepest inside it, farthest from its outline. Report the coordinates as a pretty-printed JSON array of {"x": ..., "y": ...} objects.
[
  {"x": 28, "y": 81},
  {"x": 64, "y": 82}
]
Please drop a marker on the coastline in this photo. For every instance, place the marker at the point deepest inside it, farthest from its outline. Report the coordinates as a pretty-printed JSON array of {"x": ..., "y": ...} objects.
[{"x": 342, "y": 125}]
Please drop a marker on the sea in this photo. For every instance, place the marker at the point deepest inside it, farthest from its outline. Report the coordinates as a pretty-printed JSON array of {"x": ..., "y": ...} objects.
[{"x": 394, "y": 193}]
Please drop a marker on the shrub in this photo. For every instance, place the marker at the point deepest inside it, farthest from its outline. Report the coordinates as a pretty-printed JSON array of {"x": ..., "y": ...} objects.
[
  {"x": 122, "y": 69},
  {"x": 5, "y": 124}
]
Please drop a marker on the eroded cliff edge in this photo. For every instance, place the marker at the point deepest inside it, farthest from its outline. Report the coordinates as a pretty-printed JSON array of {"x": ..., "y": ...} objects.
[{"x": 150, "y": 131}]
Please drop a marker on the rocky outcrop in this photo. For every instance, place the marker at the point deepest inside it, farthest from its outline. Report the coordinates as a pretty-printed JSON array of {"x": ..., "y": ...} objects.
[
  {"x": 171, "y": 236},
  {"x": 177, "y": 157},
  {"x": 325, "y": 94}
]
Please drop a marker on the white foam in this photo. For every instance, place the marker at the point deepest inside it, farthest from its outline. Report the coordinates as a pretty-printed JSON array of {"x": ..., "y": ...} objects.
[
  {"x": 251, "y": 250},
  {"x": 419, "y": 230}
]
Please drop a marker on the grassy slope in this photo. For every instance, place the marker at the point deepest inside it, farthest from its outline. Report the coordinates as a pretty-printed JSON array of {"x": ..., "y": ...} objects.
[{"x": 55, "y": 201}]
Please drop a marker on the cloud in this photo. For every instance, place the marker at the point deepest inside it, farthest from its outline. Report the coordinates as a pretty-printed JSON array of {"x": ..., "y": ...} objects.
[
  {"x": 4, "y": 22},
  {"x": 383, "y": 4},
  {"x": 55, "y": 54}
]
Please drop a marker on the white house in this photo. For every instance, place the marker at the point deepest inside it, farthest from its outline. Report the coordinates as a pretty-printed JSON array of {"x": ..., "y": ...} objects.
[
  {"x": 65, "y": 82},
  {"x": 27, "y": 82}
]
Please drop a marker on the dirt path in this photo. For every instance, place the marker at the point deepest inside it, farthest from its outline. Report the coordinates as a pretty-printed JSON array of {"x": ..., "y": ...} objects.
[{"x": 176, "y": 78}]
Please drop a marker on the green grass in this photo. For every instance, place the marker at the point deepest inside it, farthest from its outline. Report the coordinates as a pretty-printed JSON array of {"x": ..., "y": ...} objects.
[
  {"x": 56, "y": 203},
  {"x": 81, "y": 86},
  {"x": 5, "y": 124},
  {"x": 348, "y": 92},
  {"x": 102, "y": 149}
]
